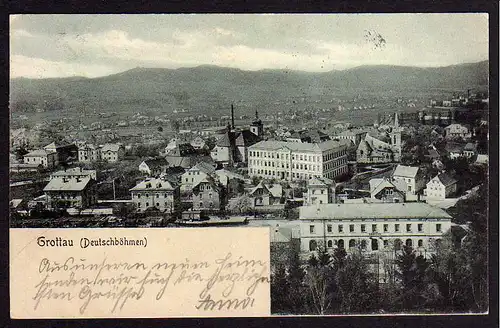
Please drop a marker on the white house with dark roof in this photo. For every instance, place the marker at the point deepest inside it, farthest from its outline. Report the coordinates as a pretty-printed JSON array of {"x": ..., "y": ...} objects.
[
  {"x": 198, "y": 143},
  {"x": 195, "y": 174},
  {"x": 112, "y": 152},
  {"x": 320, "y": 190},
  {"x": 77, "y": 192},
  {"x": 265, "y": 194},
  {"x": 208, "y": 195},
  {"x": 372, "y": 226},
  {"x": 387, "y": 190},
  {"x": 440, "y": 187},
  {"x": 43, "y": 157},
  {"x": 155, "y": 193},
  {"x": 410, "y": 178},
  {"x": 457, "y": 131}
]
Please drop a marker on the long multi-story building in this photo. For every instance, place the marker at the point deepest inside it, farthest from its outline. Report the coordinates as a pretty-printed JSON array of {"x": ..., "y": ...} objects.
[
  {"x": 372, "y": 226},
  {"x": 297, "y": 161}
]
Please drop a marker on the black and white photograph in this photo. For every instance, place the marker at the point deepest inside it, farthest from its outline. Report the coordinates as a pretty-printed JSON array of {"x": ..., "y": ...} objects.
[{"x": 359, "y": 140}]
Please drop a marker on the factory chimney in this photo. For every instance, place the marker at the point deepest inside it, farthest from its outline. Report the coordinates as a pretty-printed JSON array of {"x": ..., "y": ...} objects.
[{"x": 232, "y": 116}]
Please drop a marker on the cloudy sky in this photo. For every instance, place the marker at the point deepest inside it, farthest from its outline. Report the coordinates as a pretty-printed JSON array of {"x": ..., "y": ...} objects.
[{"x": 95, "y": 45}]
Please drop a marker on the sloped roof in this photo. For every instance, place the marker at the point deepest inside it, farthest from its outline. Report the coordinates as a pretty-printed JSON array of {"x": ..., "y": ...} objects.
[
  {"x": 55, "y": 144},
  {"x": 245, "y": 138},
  {"x": 76, "y": 171},
  {"x": 384, "y": 183},
  {"x": 372, "y": 211},
  {"x": 203, "y": 167},
  {"x": 156, "y": 162},
  {"x": 276, "y": 190},
  {"x": 154, "y": 185},
  {"x": 38, "y": 152},
  {"x": 405, "y": 171},
  {"x": 446, "y": 179},
  {"x": 110, "y": 147},
  {"x": 58, "y": 184},
  {"x": 297, "y": 146},
  {"x": 224, "y": 140},
  {"x": 470, "y": 146},
  {"x": 319, "y": 181},
  {"x": 210, "y": 180}
]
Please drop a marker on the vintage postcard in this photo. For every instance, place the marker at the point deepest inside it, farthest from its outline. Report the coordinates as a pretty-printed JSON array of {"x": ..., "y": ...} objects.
[{"x": 244, "y": 165}]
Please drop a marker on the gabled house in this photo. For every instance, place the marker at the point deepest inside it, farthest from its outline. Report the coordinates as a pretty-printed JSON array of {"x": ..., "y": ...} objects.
[
  {"x": 440, "y": 187},
  {"x": 320, "y": 190},
  {"x": 88, "y": 153},
  {"x": 266, "y": 194},
  {"x": 232, "y": 146},
  {"x": 64, "y": 192},
  {"x": 208, "y": 195},
  {"x": 457, "y": 131},
  {"x": 154, "y": 167},
  {"x": 112, "y": 152},
  {"x": 386, "y": 190},
  {"x": 195, "y": 174},
  {"x": 65, "y": 152},
  {"x": 157, "y": 193},
  {"x": 43, "y": 157},
  {"x": 410, "y": 179},
  {"x": 198, "y": 143}
]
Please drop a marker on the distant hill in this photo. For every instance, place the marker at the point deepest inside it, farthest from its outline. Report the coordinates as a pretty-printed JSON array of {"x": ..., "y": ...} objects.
[{"x": 211, "y": 87}]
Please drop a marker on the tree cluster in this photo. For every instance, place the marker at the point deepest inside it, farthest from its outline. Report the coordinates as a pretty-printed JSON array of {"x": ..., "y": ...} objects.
[{"x": 452, "y": 279}]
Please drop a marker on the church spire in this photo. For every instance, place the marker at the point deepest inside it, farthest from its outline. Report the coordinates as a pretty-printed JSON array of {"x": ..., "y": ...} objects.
[
  {"x": 396, "y": 120},
  {"x": 256, "y": 115}
]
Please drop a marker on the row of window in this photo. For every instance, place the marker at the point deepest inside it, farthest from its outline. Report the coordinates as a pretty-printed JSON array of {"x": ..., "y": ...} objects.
[
  {"x": 374, "y": 228},
  {"x": 333, "y": 155},
  {"x": 397, "y": 243},
  {"x": 157, "y": 195},
  {"x": 146, "y": 205}
]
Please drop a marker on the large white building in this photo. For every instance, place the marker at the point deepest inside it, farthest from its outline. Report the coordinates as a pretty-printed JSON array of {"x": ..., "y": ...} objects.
[
  {"x": 372, "y": 226},
  {"x": 155, "y": 193},
  {"x": 297, "y": 161}
]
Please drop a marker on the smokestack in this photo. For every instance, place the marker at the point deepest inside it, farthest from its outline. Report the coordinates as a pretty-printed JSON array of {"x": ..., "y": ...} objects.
[{"x": 232, "y": 116}]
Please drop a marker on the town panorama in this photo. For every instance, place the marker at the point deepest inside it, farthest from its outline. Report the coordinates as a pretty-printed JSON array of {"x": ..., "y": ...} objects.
[{"x": 373, "y": 180}]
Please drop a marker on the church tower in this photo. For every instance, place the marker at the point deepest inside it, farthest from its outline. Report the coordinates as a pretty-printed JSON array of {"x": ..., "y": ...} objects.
[
  {"x": 395, "y": 136},
  {"x": 257, "y": 127}
]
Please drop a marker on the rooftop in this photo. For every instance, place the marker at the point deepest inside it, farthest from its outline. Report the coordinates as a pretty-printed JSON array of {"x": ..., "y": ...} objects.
[
  {"x": 297, "y": 146},
  {"x": 154, "y": 184},
  {"x": 405, "y": 171},
  {"x": 62, "y": 184},
  {"x": 372, "y": 211}
]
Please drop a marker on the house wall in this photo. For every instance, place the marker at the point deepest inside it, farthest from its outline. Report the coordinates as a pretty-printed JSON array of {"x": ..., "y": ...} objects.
[
  {"x": 333, "y": 233},
  {"x": 207, "y": 199},
  {"x": 163, "y": 200},
  {"x": 220, "y": 154},
  {"x": 294, "y": 165}
]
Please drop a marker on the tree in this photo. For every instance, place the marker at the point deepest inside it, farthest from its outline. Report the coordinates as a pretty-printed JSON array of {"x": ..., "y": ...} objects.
[
  {"x": 160, "y": 129},
  {"x": 280, "y": 288},
  {"x": 411, "y": 271},
  {"x": 319, "y": 280},
  {"x": 356, "y": 286},
  {"x": 242, "y": 204}
]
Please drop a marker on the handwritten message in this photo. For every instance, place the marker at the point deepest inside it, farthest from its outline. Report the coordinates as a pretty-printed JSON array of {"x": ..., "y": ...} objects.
[{"x": 181, "y": 273}]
